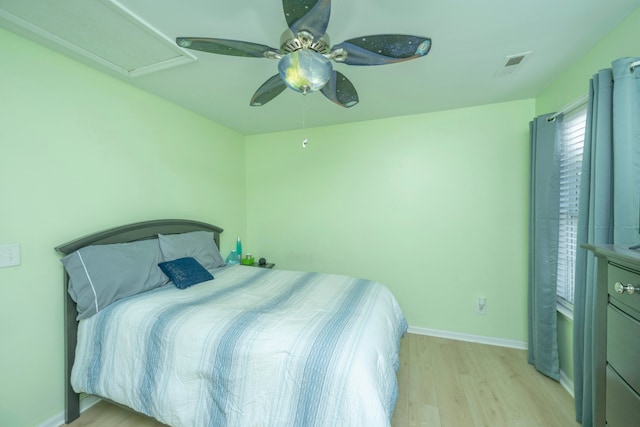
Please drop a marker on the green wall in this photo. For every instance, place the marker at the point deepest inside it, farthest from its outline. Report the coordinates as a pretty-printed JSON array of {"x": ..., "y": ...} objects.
[
  {"x": 81, "y": 152},
  {"x": 432, "y": 205},
  {"x": 570, "y": 85}
]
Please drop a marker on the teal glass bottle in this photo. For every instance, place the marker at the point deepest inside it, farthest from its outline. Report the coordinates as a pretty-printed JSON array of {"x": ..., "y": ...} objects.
[{"x": 239, "y": 249}]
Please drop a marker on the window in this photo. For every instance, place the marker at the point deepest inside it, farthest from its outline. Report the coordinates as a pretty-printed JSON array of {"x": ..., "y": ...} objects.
[{"x": 572, "y": 143}]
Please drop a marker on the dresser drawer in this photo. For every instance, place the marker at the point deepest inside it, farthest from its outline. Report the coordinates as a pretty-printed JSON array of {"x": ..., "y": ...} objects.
[
  {"x": 623, "y": 404},
  {"x": 623, "y": 346},
  {"x": 626, "y": 277}
]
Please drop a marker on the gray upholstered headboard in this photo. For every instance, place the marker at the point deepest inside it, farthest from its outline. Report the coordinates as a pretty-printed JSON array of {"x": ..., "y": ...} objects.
[{"x": 123, "y": 234}]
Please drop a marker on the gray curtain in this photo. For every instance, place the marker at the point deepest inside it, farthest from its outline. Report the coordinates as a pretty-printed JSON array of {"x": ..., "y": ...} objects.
[
  {"x": 609, "y": 207},
  {"x": 544, "y": 213}
]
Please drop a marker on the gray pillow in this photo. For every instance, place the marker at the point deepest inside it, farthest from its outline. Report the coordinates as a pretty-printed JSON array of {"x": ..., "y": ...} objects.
[
  {"x": 196, "y": 244},
  {"x": 102, "y": 274}
]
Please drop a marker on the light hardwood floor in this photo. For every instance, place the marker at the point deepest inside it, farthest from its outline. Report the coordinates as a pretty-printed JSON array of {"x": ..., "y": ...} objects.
[
  {"x": 446, "y": 383},
  {"x": 442, "y": 383}
]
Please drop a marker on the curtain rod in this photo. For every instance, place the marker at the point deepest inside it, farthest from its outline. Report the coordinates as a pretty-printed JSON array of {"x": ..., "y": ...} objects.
[
  {"x": 572, "y": 105},
  {"x": 582, "y": 99}
]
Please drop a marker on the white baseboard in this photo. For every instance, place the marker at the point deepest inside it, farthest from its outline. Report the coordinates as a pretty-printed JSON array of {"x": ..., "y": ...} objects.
[
  {"x": 500, "y": 342},
  {"x": 567, "y": 383},
  {"x": 58, "y": 420}
]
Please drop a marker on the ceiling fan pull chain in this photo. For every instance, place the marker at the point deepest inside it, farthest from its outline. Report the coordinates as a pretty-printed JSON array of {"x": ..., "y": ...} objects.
[{"x": 305, "y": 140}]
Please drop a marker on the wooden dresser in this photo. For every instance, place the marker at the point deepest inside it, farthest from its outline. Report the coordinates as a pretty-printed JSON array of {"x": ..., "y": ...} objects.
[{"x": 617, "y": 356}]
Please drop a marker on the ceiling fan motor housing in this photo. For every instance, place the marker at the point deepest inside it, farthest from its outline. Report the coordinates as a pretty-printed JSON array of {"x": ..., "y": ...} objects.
[{"x": 303, "y": 40}]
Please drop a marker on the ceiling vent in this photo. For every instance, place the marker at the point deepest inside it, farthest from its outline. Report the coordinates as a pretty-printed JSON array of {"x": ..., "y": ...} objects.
[
  {"x": 512, "y": 63},
  {"x": 99, "y": 32}
]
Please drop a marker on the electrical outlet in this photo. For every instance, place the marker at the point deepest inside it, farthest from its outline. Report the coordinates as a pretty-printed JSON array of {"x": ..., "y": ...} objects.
[
  {"x": 9, "y": 255},
  {"x": 481, "y": 307}
]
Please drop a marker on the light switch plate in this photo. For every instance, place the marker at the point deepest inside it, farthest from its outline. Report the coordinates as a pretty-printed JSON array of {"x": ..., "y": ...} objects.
[{"x": 9, "y": 255}]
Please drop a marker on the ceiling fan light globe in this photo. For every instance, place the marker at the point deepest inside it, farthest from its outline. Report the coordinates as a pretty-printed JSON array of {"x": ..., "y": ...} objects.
[{"x": 305, "y": 70}]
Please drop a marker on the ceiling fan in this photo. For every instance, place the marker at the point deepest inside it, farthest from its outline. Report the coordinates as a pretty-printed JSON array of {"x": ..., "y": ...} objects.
[{"x": 305, "y": 53}]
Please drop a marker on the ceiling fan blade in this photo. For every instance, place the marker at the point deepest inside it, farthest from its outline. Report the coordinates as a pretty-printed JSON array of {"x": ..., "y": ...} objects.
[
  {"x": 226, "y": 47},
  {"x": 269, "y": 90},
  {"x": 383, "y": 49},
  {"x": 340, "y": 90},
  {"x": 307, "y": 15}
]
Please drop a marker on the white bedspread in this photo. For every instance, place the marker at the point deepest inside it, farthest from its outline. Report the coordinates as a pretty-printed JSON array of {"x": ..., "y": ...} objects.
[{"x": 253, "y": 347}]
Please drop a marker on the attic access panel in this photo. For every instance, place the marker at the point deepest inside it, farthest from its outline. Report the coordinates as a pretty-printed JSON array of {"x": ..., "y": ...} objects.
[{"x": 102, "y": 31}]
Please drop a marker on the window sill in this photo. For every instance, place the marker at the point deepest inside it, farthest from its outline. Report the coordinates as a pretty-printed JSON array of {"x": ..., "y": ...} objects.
[{"x": 565, "y": 309}]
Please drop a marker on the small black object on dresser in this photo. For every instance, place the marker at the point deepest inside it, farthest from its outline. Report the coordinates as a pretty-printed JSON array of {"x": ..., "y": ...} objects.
[{"x": 617, "y": 335}]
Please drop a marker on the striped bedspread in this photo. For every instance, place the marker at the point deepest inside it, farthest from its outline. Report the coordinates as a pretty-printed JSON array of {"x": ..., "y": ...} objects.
[{"x": 253, "y": 347}]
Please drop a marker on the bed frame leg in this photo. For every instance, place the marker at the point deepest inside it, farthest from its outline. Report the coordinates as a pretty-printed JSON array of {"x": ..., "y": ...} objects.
[
  {"x": 71, "y": 398},
  {"x": 71, "y": 406}
]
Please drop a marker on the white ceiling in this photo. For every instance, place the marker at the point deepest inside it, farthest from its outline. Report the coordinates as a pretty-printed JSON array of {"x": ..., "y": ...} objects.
[{"x": 134, "y": 41}]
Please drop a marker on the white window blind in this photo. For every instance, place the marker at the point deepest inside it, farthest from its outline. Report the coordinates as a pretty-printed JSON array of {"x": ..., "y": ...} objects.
[{"x": 572, "y": 143}]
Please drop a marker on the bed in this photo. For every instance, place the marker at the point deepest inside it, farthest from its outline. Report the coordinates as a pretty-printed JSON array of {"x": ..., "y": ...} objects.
[{"x": 242, "y": 346}]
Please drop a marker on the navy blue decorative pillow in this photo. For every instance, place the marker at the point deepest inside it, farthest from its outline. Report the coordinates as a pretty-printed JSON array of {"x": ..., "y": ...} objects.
[{"x": 185, "y": 272}]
